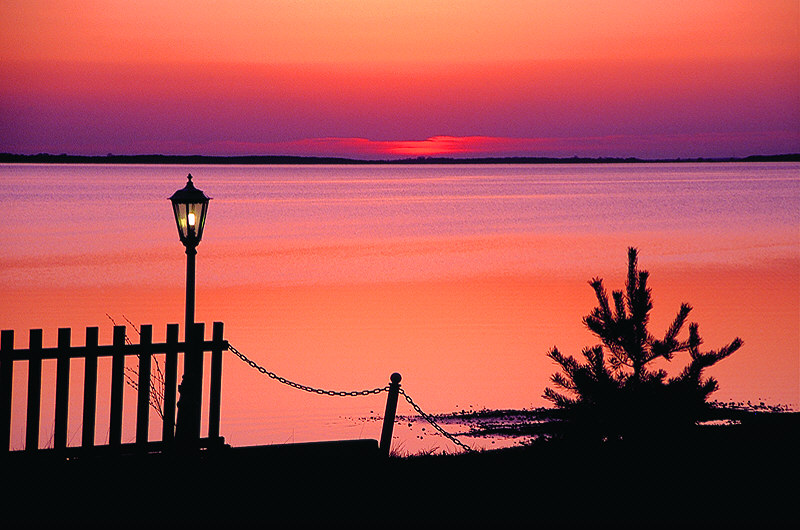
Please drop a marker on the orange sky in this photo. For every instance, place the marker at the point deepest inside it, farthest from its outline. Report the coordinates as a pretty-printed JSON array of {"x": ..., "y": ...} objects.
[
  {"x": 347, "y": 31},
  {"x": 249, "y": 77}
]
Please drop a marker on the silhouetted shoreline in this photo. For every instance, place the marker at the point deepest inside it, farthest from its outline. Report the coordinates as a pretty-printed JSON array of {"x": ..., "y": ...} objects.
[
  {"x": 729, "y": 475},
  {"x": 527, "y": 425},
  {"x": 45, "y": 158}
]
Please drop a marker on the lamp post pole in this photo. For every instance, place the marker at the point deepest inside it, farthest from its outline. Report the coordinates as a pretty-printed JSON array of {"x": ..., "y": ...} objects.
[
  {"x": 190, "y": 206},
  {"x": 187, "y": 426},
  {"x": 191, "y": 256}
]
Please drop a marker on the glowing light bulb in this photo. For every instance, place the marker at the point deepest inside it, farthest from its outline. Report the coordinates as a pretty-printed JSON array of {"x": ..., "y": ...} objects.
[{"x": 191, "y": 219}]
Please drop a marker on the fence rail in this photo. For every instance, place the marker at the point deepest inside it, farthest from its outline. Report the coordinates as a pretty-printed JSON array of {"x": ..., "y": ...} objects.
[{"x": 118, "y": 351}]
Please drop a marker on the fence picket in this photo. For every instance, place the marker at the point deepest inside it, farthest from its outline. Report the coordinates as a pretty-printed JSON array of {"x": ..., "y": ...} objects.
[
  {"x": 90, "y": 387},
  {"x": 62, "y": 388},
  {"x": 117, "y": 386},
  {"x": 143, "y": 397},
  {"x": 6, "y": 381},
  {"x": 34, "y": 391},
  {"x": 170, "y": 384}
]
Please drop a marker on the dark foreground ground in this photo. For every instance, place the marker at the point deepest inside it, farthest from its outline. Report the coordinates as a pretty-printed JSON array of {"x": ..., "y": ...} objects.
[{"x": 742, "y": 475}]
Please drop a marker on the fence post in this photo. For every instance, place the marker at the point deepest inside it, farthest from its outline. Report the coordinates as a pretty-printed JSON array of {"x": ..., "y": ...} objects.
[
  {"x": 6, "y": 380},
  {"x": 34, "y": 391},
  {"x": 215, "y": 390},
  {"x": 89, "y": 387},
  {"x": 62, "y": 388},
  {"x": 187, "y": 429},
  {"x": 388, "y": 417}
]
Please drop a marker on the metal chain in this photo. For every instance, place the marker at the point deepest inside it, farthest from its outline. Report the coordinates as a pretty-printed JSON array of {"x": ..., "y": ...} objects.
[
  {"x": 435, "y": 425},
  {"x": 304, "y": 387},
  {"x": 313, "y": 390}
]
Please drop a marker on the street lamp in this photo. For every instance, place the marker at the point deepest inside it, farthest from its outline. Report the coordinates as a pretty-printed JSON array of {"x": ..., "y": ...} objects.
[{"x": 190, "y": 206}]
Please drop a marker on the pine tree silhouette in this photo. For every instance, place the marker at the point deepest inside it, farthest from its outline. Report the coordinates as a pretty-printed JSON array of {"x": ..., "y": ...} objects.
[{"x": 614, "y": 393}]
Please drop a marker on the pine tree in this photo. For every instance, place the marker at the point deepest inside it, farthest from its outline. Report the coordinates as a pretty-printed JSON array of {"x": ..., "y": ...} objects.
[{"x": 614, "y": 393}]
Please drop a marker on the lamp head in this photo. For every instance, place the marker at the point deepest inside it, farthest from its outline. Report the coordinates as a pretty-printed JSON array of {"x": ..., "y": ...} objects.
[{"x": 190, "y": 206}]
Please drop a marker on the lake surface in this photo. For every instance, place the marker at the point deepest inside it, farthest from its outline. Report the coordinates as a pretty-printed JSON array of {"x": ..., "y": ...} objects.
[{"x": 460, "y": 277}]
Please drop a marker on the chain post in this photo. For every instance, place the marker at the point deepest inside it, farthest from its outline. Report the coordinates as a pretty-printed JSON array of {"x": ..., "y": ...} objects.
[{"x": 391, "y": 410}]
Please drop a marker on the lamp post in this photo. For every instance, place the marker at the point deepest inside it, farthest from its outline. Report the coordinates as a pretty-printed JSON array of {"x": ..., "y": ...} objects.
[{"x": 190, "y": 206}]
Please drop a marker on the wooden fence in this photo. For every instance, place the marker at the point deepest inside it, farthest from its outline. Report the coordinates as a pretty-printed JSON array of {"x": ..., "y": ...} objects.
[{"x": 120, "y": 348}]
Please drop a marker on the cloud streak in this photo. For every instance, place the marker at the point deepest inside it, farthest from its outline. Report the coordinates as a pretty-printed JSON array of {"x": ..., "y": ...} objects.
[{"x": 644, "y": 146}]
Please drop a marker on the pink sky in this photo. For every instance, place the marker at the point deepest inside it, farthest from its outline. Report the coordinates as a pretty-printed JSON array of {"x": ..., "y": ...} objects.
[{"x": 371, "y": 80}]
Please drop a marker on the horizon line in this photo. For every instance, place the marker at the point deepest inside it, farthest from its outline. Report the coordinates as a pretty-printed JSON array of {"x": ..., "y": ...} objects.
[{"x": 111, "y": 158}]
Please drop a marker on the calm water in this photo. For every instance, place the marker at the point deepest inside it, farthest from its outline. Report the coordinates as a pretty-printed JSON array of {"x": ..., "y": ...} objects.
[{"x": 459, "y": 277}]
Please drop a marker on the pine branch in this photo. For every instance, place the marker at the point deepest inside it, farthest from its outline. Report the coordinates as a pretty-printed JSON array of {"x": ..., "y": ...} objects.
[
  {"x": 603, "y": 310},
  {"x": 641, "y": 300},
  {"x": 561, "y": 381},
  {"x": 669, "y": 345},
  {"x": 725, "y": 351},
  {"x": 568, "y": 364},
  {"x": 597, "y": 364},
  {"x": 709, "y": 386},
  {"x": 558, "y": 400},
  {"x": 632, "y": 282},
  {"x": 694, "y": 341},
  {"x": 619, "y": 305}
]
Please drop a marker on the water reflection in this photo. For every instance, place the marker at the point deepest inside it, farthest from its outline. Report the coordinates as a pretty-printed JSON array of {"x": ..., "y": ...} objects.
[{"x": 459, "y": 277}]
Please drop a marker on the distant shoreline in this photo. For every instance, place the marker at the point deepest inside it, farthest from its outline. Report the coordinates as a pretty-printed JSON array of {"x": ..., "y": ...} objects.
[{"x": 45, "y": 158}]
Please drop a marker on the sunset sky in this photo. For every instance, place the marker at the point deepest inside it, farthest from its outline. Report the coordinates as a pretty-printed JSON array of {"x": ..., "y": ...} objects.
[{"x": 373, "y": 79}]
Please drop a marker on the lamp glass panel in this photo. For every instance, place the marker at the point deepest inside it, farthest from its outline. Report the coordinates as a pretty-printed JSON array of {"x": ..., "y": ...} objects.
[
  {"x": 180, "y": 218},
  {"x": 198, "y": 210}
]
